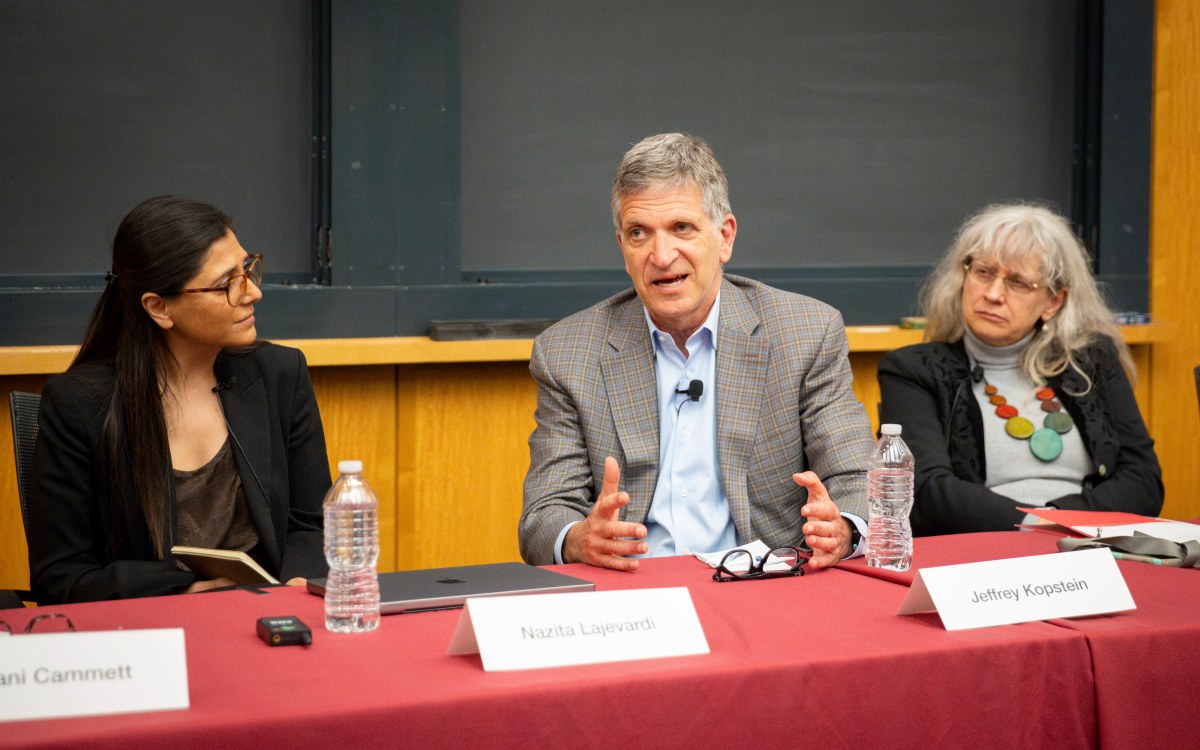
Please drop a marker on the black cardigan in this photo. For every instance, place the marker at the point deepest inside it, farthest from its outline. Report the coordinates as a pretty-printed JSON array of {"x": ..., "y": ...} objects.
[
  {"x": 926, "y": 388},
  {"x": 272, "y": 412}
]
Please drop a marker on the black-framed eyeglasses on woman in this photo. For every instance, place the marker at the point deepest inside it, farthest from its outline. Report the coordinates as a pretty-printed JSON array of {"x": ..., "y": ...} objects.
[
  {"x": 740, "y": 565},
  {"x": 236, "y": 288}
]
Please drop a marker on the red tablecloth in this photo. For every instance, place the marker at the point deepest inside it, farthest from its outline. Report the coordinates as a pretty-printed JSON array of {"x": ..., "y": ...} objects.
[
  {"x": 1144, "y": 662},
  {"x": 818, "y": 660},
  {"x": 935, "y": 551}
]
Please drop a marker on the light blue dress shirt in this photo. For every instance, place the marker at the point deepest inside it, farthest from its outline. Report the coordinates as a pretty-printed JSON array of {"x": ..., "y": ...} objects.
[{"x": 690, "y": 512}]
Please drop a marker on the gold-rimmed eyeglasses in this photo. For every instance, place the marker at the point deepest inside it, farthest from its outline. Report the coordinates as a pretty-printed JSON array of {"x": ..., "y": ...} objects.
[
  {"x": 740, "y": 565},
  {"x": 236, "y": 288},
  {"x": 985, "y": 275}
]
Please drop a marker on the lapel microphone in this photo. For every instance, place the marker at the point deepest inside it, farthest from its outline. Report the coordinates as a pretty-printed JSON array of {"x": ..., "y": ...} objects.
[
  {"x": 977, "y": 373},
  {"x": 694, "y": 390},
  {"x": 223, "y": 384}
]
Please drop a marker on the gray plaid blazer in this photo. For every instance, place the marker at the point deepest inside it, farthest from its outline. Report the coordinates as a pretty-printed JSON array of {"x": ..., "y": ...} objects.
[{"x": 784, "y": 404}]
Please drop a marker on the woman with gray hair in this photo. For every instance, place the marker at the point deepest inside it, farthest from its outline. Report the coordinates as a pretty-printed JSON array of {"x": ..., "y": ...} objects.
[{"x": 1019, "y": 395}]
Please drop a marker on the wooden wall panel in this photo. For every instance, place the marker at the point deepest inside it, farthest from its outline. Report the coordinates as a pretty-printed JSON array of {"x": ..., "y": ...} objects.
[
  {"x": 467, "y": 438},
  {"x": 443, "y": 445},
  {"x": 358, "y": 411},
  {"x": 866, "y": 387},
  {"x": 1175, "y": 251}
]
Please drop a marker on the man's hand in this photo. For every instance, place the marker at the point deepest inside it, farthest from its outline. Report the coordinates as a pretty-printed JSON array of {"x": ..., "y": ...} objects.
[
  {"x": 597, "y": 540},
  {"x": 826, "y": 531}
]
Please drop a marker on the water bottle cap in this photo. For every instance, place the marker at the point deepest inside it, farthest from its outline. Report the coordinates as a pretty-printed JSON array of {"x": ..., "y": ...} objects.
[
  {"x": 350, "y": 467},
  {"x": 889, "y": 429}
]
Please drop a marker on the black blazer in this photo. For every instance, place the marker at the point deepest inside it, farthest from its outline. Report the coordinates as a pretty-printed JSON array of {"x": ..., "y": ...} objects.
[
  {"x": 926, "y": 388},
  {"x": 279, "y": 449}
]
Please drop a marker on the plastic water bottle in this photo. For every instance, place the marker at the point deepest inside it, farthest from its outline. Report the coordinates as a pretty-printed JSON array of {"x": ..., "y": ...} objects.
[
  {"x": 351, "y": 549},
  {"x": 889, "y": 500}
]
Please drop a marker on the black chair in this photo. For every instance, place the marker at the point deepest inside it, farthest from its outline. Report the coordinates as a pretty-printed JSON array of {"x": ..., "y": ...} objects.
[{"x": 24, "y": 410}]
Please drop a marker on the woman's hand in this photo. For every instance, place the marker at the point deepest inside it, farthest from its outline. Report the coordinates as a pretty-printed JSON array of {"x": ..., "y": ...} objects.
[{"x": 215, "y": 583}]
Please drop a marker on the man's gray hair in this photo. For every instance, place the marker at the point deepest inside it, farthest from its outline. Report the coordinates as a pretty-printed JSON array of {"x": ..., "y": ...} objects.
[{"x": 675, "y": 160}]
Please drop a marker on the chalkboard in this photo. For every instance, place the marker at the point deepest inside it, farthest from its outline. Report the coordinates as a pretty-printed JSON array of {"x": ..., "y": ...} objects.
[
  {"x": 107, "y": 103},
  {"x": 461, "y": 150},
  {"x": 853, "y": 133}
]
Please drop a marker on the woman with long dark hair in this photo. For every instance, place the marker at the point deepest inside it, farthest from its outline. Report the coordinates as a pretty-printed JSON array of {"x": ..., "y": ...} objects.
[{"x": 174, "y": 425}]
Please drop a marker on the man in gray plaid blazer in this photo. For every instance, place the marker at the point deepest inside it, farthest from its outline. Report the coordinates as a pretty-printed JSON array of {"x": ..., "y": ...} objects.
[{"x": 619, "y": 467}]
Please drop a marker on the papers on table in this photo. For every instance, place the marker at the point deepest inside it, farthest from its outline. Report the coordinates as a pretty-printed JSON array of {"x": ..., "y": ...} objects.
[
  {"x": 712, "y": 559},
  {"x": 1093, "y": 523},
  {"x": 1175, "y": 531},
  {"x": 757, "y": 550}
]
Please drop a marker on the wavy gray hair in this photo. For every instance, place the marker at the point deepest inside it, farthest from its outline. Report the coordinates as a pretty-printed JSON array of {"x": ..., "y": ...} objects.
[
  {"x": 675, "y": 159},
  {"x": 1012, "y": 235}
]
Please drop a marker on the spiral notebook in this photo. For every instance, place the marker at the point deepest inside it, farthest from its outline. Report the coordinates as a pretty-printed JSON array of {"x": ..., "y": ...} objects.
[{"x": 447, "y": 588}]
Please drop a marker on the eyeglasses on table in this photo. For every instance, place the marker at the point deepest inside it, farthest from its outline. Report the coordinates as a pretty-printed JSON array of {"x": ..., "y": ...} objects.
[
  {"x": 740, "y": 565},
  {"x": 51, "y": 622}
]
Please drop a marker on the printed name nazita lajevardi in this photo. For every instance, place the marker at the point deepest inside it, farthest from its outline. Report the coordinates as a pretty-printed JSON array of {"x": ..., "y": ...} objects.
[{"x": 587, "y": 629}]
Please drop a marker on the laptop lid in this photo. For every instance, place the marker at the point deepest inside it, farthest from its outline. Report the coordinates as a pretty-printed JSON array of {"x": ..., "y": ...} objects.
[{"x": 447, "y": 588}]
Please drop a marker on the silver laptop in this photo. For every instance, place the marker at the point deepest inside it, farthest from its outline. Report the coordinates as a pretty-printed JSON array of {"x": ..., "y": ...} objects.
[{"x": 448, "y": 588}]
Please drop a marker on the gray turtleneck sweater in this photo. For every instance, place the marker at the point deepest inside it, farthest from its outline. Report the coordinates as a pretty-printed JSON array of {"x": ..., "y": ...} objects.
[{"x": 1012, "y": 469}]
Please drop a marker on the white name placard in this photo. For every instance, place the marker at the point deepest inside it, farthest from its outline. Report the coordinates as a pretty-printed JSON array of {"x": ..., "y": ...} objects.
[
  {"x": 1020, "y": 589},
  {"x": 85, "y": 674},
  {"x": 555, "y": 630}
]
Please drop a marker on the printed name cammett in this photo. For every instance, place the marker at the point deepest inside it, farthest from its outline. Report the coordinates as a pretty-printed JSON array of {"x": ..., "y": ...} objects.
[{"x": 47, "y": 676}]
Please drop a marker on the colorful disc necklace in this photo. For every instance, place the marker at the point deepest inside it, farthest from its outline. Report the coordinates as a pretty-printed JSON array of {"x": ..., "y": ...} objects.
[{"x": 1045, "y": 443}]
